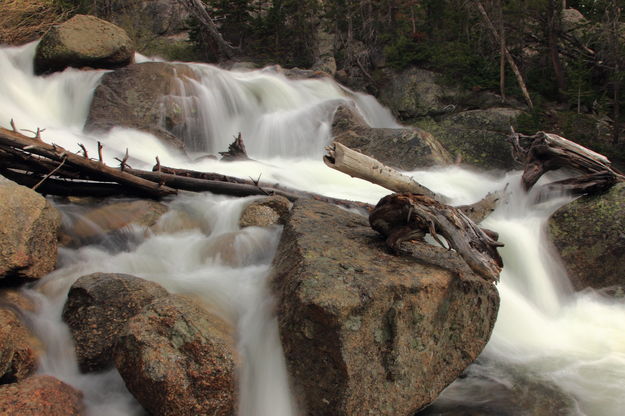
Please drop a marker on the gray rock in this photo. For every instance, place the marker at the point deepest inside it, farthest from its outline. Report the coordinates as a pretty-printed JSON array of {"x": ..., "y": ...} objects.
[
  {"x": 146, "y": 97},
  {"x": 178, "y": 359},
  {"x": 368, "y": 332},
  {"x": 97, "y": 309},
  {"x": 589, "y": 235},
  {"x": 83, "y": 41},
  {"x": 29, "y": 227},
  {"x": 405, "y": 148}
]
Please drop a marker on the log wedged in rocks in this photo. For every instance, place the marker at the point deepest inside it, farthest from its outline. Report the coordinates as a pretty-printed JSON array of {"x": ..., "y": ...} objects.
[
  {"x": 368, "y": 332},
  {"x": 407, "y": 216},
  {"x": 543, "y": 152}
]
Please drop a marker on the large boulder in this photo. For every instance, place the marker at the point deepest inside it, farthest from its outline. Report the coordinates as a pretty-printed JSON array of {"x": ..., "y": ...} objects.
[
  {"x": 589, "y": 234},
  {"x": 19, "y": 348},
  {"x": 178, "y": 359},
  {"x": 29, "y": 226},
  {"x": 40, "y": 395},
  {"x": 148, "y": 97},
  {"x": 111, "y": 219},
  {"x": 403, "y": 148},
  {"x": 477, "y": 137},
  {"x": 415, "y": 93},
  {"x": 83, "y": 41},
  {"x": 368, "y": 332},
  {"x": 97, "y": 309}
]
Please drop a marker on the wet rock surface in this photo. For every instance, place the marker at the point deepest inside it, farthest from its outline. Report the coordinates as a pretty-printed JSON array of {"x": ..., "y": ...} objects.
[
  {"x": 40, "y": 395},
  {"x": 19, "y": 348},
  {"x": 403, "y": 148},
  {"x": 264, "y": 212},
  {"x": 589, "y": 235},
  {"x": 368, "y": 332},
  {"x": 29, "y": 226},
  {"x": 97, "y": 309},
  {"x": 179, "y": 359},
  {"x": 148, "y": 97},
  {"x": 83, "y": 41}
]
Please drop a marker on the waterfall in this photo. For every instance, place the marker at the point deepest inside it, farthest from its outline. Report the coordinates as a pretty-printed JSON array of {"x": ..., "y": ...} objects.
[{"x": 575, "y": 341}]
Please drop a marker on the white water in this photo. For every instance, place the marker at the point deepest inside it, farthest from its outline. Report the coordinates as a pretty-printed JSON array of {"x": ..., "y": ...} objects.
[{"x": 575, "y": 340}]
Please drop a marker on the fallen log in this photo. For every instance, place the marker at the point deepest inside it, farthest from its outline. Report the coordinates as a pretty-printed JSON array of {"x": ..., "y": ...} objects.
[
  {"x": 355, "y": 164},
  {"x": 96, "y": 170},
  {"x": 543, "y": 152},
  {"x": 406, "y": 216}
]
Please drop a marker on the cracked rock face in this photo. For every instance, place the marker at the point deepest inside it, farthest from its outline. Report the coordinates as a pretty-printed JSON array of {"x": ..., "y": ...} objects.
[{"x": 368, "y": 332}]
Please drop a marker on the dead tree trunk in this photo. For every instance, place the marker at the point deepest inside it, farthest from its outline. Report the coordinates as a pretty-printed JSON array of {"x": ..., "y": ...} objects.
[
  {"x": 544, "y": 152},
  {"x": 406, "y": 216}
]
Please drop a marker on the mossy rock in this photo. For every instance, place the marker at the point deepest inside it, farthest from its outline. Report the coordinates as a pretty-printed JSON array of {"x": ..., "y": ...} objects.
[{"x": 589, "y": 234}]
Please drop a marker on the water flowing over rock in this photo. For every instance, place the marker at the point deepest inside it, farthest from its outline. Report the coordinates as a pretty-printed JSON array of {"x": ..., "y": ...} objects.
[
  {"x": 368, "y": 332},
  {"x": 19, "y": 348},
  {"x": 110, "y": 219},
  {"x": 589, "y": 234},
  {"x": 263, "y": 212},
  {"x": 405, "y": 148},
  {"x": 97, "y": 309},
  {"x": 178, "y": 359},
  {"x": 150, "y": 96},
  {"x": 83, "y": 41},
  {"x": 29, "y": 225},
  {"x": 40, "y": 395}
]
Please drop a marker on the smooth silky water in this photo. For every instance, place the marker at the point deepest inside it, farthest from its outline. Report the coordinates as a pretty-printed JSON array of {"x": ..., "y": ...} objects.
[{"x": 575, "y": 341}]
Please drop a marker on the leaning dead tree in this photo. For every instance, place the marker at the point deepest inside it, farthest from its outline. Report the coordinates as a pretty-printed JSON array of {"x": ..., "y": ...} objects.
[
  {"x": 197, "y": 8},
  {"x": 544, "y": 152},
  {"x": 407, "y": 216}
]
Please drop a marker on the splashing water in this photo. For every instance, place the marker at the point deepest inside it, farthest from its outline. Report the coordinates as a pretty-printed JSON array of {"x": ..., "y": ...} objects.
[{"x": 575, "y": 341}]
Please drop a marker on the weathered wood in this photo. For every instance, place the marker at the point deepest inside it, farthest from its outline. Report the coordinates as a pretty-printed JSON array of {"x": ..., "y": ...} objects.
[
  {"x": 97, "y": 170},
  {"x": 543, "y": 152},
  {"x": 236, "y": 151},
  {"x": 355, "y": 164},
  {"x": 406, "y": 216}
]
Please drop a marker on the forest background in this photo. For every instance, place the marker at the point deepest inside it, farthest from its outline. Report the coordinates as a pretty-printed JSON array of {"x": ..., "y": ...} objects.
[{"x": 568, "y": 55}]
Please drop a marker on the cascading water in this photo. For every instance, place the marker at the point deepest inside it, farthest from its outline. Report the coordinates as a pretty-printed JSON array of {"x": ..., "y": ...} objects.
[{"x": 575, "y": 341}]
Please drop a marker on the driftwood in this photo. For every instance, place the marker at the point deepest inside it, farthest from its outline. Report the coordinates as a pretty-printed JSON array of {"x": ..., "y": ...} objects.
[
  {"x": 543, "y": 152},
  {"x": 406, "y": 216},
  {"x": 93, "y": 170},
  {"x": 355, "y": 164},
  {"x": 56, "y": 171},
  {"x": 236, "y": 151}
]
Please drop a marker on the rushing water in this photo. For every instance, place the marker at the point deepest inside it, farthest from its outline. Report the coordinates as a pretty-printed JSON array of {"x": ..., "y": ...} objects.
[{"x": 545, "y": 332}]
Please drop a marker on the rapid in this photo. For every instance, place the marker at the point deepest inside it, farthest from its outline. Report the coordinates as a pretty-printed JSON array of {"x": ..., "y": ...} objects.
[{"x": 545, "y": 332}]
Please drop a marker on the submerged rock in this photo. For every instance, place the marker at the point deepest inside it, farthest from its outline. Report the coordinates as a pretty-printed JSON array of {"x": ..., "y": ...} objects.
[
  {"x": 403, "y": 148},
  {"x": 148, "y": 97},
  {"x": 178, "y": 359},
  {"x": 112, "y": 218},
  {"x": 267, "y": 211},
  {"x": 589, "y": 234},
  {"x": 83, "y": 41},
  {"x": 368, "y": 332},
  {"x": 29, "y": 226},
  {"x": 40, "y": 395},
  {"x": 97, "y": 309}
]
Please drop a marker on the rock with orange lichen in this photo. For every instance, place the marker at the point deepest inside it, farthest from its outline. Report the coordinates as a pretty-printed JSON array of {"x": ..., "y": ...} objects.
[
  {"x": 178, "y": 359},
  {"x": 97, "y": 309},
  {"x": 40, "y": 395},
  {"x": 19, "y": 348}
]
